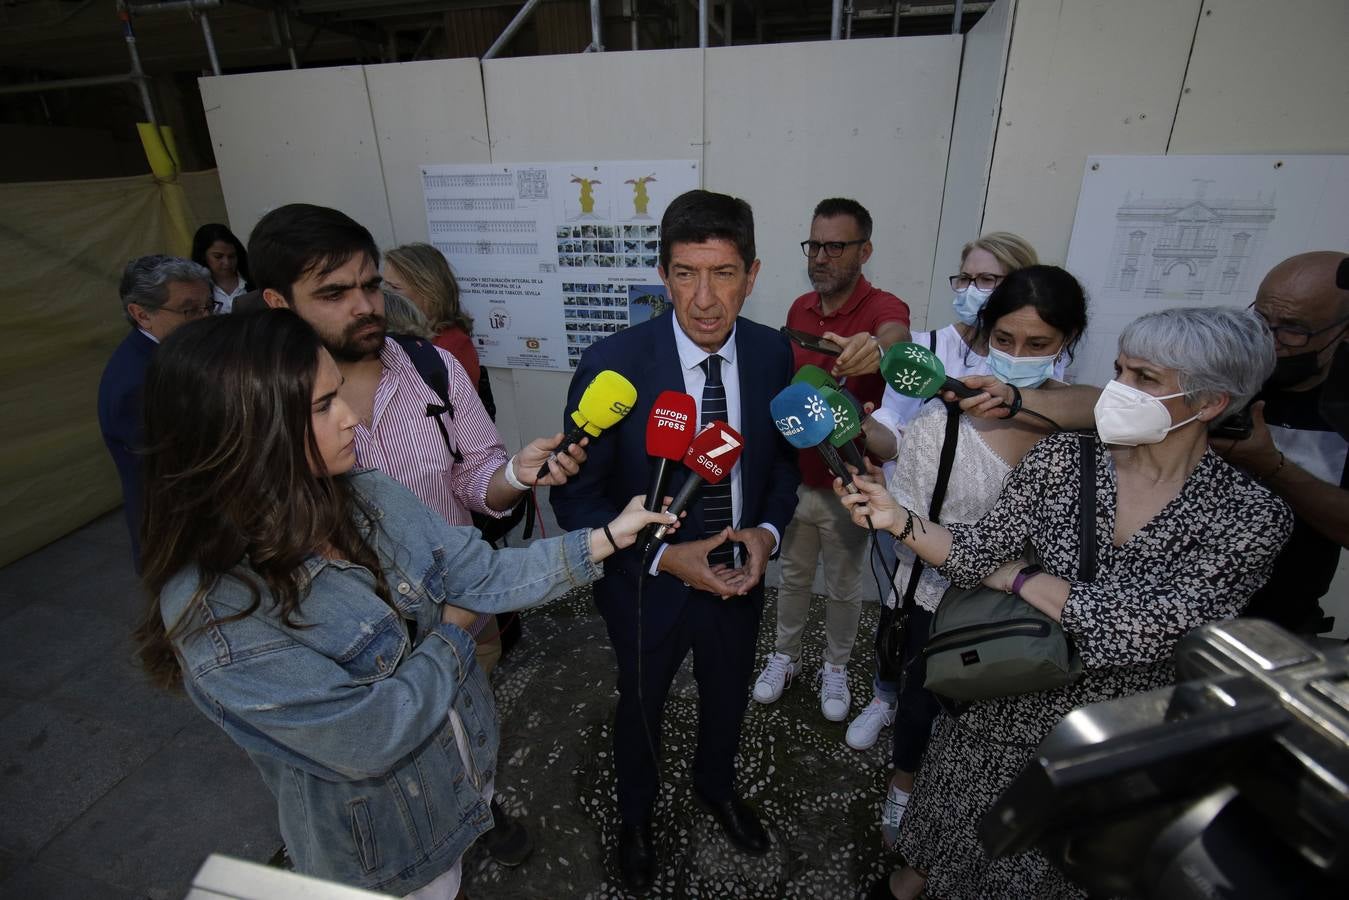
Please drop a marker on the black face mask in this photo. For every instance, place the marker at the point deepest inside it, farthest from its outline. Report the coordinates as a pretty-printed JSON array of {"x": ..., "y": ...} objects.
[{"x": 1291, "y": 370}]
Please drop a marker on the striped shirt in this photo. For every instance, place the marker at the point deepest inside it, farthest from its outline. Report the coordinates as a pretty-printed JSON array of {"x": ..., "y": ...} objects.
[{"x": 406, "y": 445}]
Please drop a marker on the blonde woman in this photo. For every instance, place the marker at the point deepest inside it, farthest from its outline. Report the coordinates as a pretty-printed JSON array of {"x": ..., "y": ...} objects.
[{"x": 420, "y": 273}]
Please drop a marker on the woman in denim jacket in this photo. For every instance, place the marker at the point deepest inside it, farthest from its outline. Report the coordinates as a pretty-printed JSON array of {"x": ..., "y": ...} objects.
[{"x": 301, "y": 604}]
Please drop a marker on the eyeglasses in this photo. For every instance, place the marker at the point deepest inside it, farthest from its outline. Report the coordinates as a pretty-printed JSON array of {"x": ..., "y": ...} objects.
[
  {"x": 832, "y": 249},
  {"x": 1295, "y": 336},
  {"x": 195, "y": 312},
  {"x": 984, "y": 281}
]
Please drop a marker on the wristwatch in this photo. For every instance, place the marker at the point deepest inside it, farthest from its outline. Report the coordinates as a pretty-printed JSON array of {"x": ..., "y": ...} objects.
[{"x": 1026, "y": 574}]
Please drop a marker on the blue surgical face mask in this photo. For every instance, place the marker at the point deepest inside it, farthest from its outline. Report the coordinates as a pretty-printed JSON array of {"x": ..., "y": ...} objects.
[
  {"x": 968, "y": 303},
  {"x": 1022, "y": 371}
]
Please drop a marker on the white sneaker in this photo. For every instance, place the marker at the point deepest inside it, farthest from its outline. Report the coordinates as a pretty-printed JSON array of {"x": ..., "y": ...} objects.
[
  {"x": 892, "y": 813},
  {"x": 834, "y": 697},
  {"x": 864, "y": 730},
  {"x": 774, "y": 678}
]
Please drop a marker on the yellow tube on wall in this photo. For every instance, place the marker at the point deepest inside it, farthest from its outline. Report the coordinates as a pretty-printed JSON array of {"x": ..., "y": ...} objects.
[{"x": 160, "y": 150}]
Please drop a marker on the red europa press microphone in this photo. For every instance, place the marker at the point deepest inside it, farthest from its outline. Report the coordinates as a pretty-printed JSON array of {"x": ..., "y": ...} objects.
[
  {"x": 669, "y": 431},
  {"x": 711, "y": 456}
]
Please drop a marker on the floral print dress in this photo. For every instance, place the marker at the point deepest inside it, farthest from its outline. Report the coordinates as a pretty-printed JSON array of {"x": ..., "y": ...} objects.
[{"x": 1197, "y": 561}]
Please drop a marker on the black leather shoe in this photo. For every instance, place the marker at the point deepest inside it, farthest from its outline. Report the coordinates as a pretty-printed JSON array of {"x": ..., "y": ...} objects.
[
  {"x": 741, "y": 824},
  {"x": 637, "y": 856}
]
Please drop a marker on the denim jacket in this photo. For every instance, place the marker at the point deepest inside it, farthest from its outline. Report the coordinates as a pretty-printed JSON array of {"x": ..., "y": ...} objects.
[{"x": 347, "y": 723}]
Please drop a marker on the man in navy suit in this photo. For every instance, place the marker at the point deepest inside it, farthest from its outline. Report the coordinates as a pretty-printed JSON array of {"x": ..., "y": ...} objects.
[
  {"x": 159, "y": 293},
  {"x": 704, "y": 590}
]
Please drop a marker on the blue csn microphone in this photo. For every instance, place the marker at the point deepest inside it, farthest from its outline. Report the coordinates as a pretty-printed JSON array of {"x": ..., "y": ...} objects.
[{"x": 806, "y": 420}]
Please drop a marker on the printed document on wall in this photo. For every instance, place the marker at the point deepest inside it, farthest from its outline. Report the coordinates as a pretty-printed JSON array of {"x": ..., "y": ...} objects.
[
  {"x": 552, "y": 257},
  {"x": 1155, "y": 232}
]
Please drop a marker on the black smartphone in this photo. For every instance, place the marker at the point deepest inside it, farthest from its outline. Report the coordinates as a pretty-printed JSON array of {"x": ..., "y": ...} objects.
[
  {"x": 812, "y": 341},
  {"x": 1237, "y": 428}
]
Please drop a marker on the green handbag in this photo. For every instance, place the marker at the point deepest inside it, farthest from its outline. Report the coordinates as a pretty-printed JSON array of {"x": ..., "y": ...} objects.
[{"x": 988, "y": 643}]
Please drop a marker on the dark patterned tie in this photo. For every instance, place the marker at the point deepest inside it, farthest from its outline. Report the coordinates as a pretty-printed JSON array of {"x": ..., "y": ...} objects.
[{"x": 716, "y": 498}]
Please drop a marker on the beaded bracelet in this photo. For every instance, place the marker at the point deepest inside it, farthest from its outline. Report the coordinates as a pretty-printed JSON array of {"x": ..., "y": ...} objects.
[{"x": 908, "y": 525}]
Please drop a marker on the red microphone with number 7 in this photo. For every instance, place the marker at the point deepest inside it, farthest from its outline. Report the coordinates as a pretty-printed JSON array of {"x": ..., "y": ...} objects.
[{"x": 711, "y": 456}]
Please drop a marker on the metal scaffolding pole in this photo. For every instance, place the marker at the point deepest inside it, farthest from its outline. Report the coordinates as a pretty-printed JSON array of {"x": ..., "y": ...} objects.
[
  {"x": 836, "y": 21},
  {"x": 702, "y": 24},
  {"x": 35, "y": 87},
  {"x": 210, "y": 43},
  {"x": 287, "y": 39},
  {"x": 596, "y": 21},
  {"x": 957, "y": 15},
  {"x": 505, "y": 37},
  {"x": 137, "y": 73}
]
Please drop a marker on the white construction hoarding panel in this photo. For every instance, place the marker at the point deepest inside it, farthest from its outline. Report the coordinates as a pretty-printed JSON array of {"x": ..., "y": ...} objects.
[
  {"x": 297, "y": 136},
  {"x": 425, "y": 113},
  {"x": 976, "y": 123},
  {"x": 791, "y": 124}
]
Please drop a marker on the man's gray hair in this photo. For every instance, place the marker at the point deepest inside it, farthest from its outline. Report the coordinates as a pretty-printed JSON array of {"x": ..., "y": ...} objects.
[
  {"x": 145, "y": 280},
  {"x": 1214, "y": 349}
]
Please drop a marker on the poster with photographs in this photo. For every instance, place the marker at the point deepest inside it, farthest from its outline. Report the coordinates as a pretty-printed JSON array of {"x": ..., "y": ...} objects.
[{"x": 552, "y": 257}]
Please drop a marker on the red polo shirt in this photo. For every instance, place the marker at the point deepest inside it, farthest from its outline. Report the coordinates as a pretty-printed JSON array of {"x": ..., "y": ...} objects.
[{"x": 865, "y": 311}]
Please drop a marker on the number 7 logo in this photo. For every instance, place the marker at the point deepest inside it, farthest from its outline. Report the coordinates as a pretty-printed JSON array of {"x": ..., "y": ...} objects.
[{"x": 729, "y": 445}]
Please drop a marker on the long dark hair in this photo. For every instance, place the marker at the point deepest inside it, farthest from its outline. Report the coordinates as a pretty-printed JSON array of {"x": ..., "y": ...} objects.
[
  {"x": 211, "y": 232},
  {"x": 228, "y": 487},
  {"x": 1057, "y": 296}
]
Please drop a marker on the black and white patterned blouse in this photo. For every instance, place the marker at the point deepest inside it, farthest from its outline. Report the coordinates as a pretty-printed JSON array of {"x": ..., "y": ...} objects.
[{"x": 1198, "y": 560}]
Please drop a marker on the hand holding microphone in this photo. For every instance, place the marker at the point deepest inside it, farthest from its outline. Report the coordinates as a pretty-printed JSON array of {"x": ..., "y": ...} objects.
[
  {"x": 606, "y": 400},
  {"x": 622, "y": 532}
]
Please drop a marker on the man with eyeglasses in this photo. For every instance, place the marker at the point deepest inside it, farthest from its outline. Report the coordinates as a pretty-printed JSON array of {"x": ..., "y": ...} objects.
[
  {"x": 863, "y": 321},
  {"x": 1292, "y": 448},
  {"x": 159, "y": 294}
]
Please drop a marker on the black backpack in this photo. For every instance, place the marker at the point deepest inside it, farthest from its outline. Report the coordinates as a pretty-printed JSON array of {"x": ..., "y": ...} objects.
[{"x": 436, "y": 374}]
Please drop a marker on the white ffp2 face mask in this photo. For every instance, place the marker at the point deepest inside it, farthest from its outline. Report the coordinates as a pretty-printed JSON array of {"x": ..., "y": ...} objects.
[{"x": 1128, "y": 416}]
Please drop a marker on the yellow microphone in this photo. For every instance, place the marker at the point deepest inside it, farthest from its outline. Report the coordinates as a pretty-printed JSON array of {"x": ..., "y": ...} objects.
[{"x": 606, "y": 400}]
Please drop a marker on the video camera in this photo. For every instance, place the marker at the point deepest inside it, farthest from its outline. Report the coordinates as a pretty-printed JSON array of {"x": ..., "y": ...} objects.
[{"x": 1233, "y": 783}]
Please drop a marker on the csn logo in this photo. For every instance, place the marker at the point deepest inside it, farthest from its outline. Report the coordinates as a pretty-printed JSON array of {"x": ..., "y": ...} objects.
[{"x": 789, "y": 425}]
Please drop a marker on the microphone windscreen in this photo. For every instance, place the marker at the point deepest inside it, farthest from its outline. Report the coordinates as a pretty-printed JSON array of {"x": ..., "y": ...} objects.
[
  {"x": 669, "y": 429},
  {"x": 847, "y": 423},
  {"x": 714, "y": 451},
  {"x": 606, "y": 400},
  {"x": 814, "y": 376},
  {"x": 913, "y": 370},
  {"x": 802, "y": 415}
]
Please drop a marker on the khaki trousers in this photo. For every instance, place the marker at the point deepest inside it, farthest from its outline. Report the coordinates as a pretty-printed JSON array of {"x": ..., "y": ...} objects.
[{"x": 821, "y": 526}]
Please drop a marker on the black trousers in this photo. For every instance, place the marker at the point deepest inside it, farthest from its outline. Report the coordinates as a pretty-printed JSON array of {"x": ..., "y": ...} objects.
[
  {"x": 721, "y": 634},
  {"x": 917, "y": 707}
]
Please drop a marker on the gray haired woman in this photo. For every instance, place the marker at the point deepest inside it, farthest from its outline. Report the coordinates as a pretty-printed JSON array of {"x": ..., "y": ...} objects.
[{"x": 1182, "y": 538}]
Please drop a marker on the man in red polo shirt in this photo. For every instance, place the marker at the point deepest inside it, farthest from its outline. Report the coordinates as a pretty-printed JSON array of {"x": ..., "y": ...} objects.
[{"x": 864, "y": 321}]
